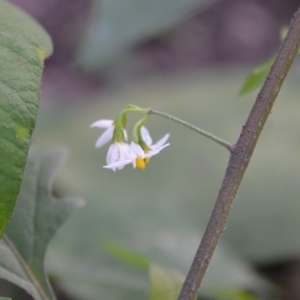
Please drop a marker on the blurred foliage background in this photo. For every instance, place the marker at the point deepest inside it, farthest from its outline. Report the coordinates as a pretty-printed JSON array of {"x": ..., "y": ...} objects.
[{"x": 189, "y": 59}]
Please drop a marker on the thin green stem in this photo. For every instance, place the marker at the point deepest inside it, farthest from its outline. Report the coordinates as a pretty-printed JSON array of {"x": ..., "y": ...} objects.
[
  {"x": 136, "y": 131},
  {"x": 212, "y": 137},
  {"x": 135, "y": 109}
]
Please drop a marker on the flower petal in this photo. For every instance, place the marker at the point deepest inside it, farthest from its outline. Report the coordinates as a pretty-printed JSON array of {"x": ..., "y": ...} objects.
[
  {"x": 160, "y": 142},
  {"x": 118, "y": 164},
  {"x": 105, "y": 137},
  {"x": 156, "y": 151},
  {"x": 125, "y": 135},
  {"x": 136, "y": 150},
  {"x": 146, "y": 136},
  {"x": 123, "y": 152},
  {"x": 112, "y": 154},
  {"x": 102, "y": 123}
]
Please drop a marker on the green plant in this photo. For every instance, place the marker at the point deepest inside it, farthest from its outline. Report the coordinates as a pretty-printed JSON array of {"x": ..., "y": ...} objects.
[{"x": 30, "y": 215}]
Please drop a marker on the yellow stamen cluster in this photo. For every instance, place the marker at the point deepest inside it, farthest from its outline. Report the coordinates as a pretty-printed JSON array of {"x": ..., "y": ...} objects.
[{"x": 140, "y": 163}]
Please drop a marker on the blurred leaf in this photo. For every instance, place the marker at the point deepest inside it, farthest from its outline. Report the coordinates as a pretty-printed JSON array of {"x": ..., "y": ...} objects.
[
  {"x": 257, "y": 77},
  {"x": 24, "y": 46},
  {"x": 164, "y": 284},
  {"x": 126, "y": 255},
  {"x": 117, "y": 25},
  {"x": 92, "y": 278},
  {"x": 234, "y": 294},
  {"x": 283, "y": 32},
  {"x": 37, "y": 216},
  {"x": 1, "y": 298},
  {"x": 160, "y": 212}
]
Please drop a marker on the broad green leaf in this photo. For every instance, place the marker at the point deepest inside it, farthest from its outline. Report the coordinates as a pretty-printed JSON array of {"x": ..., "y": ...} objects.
[
  {"x": 257, "y": 77},
  {"x": 116, "y": 25},
  {"x": 126, "y": 255},
  {"x": 164, "y": 284},
  {"x": 37, "y": 217},
  {"x": 23, "y": 45},
  {"x": 1, "y": 298}
]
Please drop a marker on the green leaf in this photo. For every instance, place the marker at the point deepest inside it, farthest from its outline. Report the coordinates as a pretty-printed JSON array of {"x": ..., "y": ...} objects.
[
  {"x": 257, "y": 77},
  {"x": 164, "y": 284},
  {"x": 23, "y": 46},
  {"x": 126, "y": 255},
  {"x": 158, "y": 212},
  {"x": 37, "y": 216},
  {"x": 283, "y": 32},
  {"x": 116, "y": 25},
  {"x": 234, "y": 294},
  {"x": 1, "y": 298}
]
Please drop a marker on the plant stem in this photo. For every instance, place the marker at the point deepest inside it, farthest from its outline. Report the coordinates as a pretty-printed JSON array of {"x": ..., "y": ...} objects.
[
  {"x": 25, "y": 267},
  {"x": 240, "y": 157},
  {"x": 212, "y": 137}
]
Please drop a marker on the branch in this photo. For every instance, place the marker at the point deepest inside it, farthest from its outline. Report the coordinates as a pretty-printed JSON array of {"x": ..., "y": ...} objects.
[
  {"x": 212, "y": 137},
  {"x": 240, "y": 157}
]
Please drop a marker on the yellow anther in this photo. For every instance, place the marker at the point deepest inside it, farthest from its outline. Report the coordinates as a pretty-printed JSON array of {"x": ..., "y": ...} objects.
[
  {"x": 146, "y": 160},
  {"x": 140, "y": 163}
]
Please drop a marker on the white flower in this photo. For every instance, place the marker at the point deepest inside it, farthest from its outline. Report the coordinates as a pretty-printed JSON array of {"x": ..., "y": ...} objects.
[
  {"x": 107, "y": 135},
  {"x": 117, "y": 152},
  {"x": 148, "y": 140},
  {"x": 137, "y": 157}
]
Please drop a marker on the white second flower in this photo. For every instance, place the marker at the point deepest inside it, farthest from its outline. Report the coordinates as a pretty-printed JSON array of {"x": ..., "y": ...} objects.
[{"x": 117, "y": 152}]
